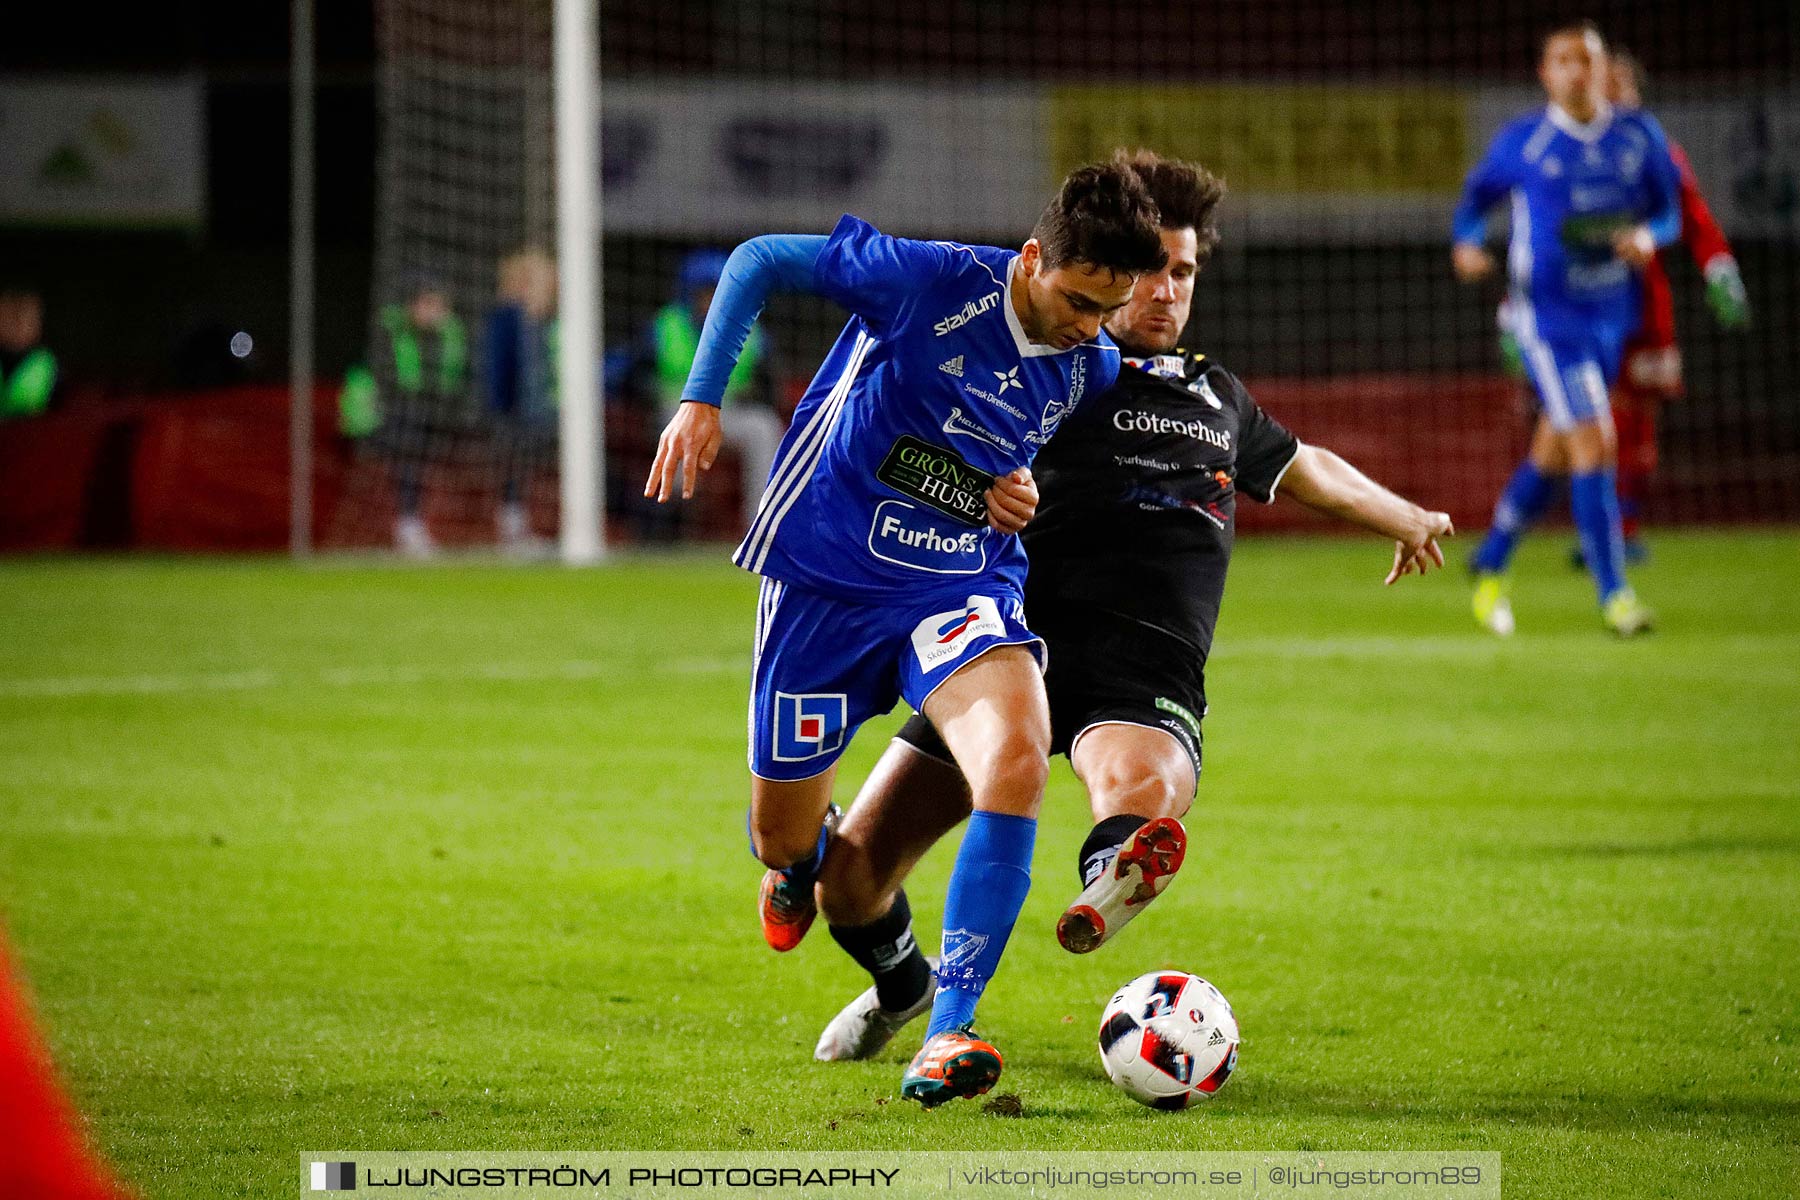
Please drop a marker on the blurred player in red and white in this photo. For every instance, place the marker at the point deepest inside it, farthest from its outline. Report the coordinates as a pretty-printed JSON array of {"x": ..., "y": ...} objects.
[
  {"x": 41, "y": 1152},
  {"x": 1652, "y": 366},
  {"x": 1652, "y": 373}
]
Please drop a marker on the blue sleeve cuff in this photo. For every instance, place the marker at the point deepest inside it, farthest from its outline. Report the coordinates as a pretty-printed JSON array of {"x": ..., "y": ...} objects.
[
  {"x": 1469, "y": 228},
  {"x": 755, "y": 269}
]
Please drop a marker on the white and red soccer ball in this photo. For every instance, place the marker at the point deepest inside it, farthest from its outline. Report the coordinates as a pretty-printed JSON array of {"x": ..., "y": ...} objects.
[{"x": 1168, "y": 1039}]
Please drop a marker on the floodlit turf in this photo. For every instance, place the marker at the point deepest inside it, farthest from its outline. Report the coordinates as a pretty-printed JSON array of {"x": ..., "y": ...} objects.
[{"x": 454, "y": 858}]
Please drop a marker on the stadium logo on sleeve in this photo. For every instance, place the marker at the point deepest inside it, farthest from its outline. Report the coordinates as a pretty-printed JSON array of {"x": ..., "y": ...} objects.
[
  {"x": 334, "y": 1177},
  {"x": 808, "y": 726},
  {"x": 969, "y": 312},
  {"x": 945, "y": 637}
]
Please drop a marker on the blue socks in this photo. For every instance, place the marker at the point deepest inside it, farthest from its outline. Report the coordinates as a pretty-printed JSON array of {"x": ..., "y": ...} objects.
[
  {"x": 1594, "y": 497},
  {"x": 1522, "y": 501},
  {"x": 987, "y": 890}
]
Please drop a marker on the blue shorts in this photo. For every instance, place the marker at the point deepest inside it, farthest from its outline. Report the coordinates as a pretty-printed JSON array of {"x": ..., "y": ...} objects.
[
  {"x": 822, "y": 666},
  {"x": 1570, "y": 371}
]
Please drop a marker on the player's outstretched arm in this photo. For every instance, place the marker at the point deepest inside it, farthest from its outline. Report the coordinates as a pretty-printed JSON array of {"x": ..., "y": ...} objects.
[
  {"x": 760, "y": 266},
  {"x": 1484, "y": 188},
  {"x": 1325, "y": 483}
]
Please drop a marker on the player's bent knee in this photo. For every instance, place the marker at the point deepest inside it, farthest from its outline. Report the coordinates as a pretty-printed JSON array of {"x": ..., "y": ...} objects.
[
  {"x": 1010, "y": 776},
  {"x": 1143, "y": 792},
  {"x": 781, "y": 845}
]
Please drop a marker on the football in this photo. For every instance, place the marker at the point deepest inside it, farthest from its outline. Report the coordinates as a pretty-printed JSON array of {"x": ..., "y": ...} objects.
[{"x": 1168, "y": 1038}]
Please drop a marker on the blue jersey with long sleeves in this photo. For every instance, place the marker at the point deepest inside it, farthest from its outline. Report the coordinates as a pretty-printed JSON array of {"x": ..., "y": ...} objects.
[
  {"x": 931, "y": 391},
  {"x": 1572, "y": 188}
]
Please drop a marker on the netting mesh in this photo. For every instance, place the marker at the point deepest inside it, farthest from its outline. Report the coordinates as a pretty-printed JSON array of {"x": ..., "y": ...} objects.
[
  {"x": 463, "y": 281},
  {"x": 1343, "y": 131}
]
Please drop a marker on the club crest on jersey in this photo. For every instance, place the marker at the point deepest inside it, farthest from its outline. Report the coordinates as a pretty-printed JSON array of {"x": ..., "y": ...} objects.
[
  {"x": 1201, "y": 388},
  {"x": 946, "y": 636},
  {"x": 1056, "y": 410},
  {"x": 807, "y": 726}
]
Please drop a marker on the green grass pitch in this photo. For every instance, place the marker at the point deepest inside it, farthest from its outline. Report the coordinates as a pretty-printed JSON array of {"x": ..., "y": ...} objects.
[{"x": 454, "y": 859}]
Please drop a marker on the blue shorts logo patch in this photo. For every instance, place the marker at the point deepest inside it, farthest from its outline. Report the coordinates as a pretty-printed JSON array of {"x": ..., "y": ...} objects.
[{"x": 808, "y": 726}]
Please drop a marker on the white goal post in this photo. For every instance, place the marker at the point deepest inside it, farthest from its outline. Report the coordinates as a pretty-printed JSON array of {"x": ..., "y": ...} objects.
[{"x": 581, "y": 346}]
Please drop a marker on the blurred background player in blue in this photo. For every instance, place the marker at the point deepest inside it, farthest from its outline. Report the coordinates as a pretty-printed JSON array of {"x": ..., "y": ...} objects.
[
  {"x": 28, "y": 371},
  {"x": 1594, "y": 195},
  {"x": 519, "y": 342},
  {"x": 666, "y": 355}
]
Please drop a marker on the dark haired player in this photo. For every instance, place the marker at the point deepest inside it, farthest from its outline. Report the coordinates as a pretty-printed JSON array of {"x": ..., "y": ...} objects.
[
  {"x": 884, "y": 572},
  {"x": 1128, "y": 559}
]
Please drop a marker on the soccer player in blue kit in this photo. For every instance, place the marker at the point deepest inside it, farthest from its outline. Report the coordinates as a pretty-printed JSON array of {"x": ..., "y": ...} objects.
[
  {"x": 1594, "y": 194},
  {"x": 888, "y": 567}
]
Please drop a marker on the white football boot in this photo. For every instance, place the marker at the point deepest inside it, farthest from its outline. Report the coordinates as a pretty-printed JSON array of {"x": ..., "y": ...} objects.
[
  {"x": 864, "y": 1028},
  {"x": 1136, "y": 875}
]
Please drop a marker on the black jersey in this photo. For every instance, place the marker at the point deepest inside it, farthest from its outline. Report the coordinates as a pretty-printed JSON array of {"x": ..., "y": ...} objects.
[{"x": 1138, "y": 495}]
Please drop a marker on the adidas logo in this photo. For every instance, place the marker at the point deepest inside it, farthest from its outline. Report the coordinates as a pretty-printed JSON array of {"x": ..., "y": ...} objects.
[{"x": 952, "y": 367}]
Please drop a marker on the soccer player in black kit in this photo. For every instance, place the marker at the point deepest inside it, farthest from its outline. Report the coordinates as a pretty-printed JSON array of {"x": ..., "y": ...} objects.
[{"x": 1128, "y": 549}]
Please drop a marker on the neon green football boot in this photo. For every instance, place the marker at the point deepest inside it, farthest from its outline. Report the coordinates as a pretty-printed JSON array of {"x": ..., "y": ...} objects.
[
  {"x": 1626, "y": 615},
  {"x": 1492, "y": 608}
]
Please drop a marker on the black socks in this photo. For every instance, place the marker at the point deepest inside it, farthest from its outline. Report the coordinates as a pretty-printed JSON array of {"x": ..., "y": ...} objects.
[
  {"x": 886, "y": 950},
  {"x": 1103, "y": 844}
]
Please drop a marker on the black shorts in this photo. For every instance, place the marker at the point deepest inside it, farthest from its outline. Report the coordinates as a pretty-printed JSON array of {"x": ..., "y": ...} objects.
[{"x": 1106, "y": 669}]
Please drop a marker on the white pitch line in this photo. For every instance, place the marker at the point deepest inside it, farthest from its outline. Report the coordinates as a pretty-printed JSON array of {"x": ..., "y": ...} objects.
[
  {"x": 1474, "y": 646},
  {"x": 129, "y": 685},
  {"x": 399, "y": 675}
]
